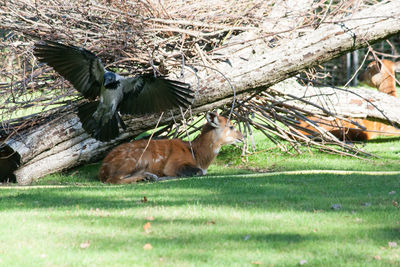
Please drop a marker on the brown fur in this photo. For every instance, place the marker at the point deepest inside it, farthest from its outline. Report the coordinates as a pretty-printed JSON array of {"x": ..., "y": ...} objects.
[
  {"x": 130, "y": 162},
  {"x": 382, "y": 78}
]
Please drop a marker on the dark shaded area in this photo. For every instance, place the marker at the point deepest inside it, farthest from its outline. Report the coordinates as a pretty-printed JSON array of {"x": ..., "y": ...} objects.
[
  {"x": 384, "y": 140},
  {"x": 9, "y": 162},
  {"x": 188, "y": 170},
  {"x": 280, "y": 192}
]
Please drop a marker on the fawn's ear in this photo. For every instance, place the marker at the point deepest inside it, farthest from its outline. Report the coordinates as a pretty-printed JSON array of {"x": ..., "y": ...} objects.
[
  {"x": 379, "y": 64},
  {"x": 212, "y": 119}
]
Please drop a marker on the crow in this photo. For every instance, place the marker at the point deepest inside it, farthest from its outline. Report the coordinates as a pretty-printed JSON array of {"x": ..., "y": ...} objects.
[{"x": 110, "y": 93}]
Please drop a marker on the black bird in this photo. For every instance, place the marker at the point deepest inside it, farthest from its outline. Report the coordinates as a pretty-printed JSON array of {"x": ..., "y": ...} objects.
[{"x": 100, "y": 118}]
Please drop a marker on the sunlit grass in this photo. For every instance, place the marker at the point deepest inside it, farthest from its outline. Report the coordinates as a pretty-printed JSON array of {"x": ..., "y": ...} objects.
[
  {"x": 268, "y": 157},
  {"x": 232, "y": 221}
]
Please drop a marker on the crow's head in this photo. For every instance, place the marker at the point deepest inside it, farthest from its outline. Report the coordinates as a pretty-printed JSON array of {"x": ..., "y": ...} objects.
[{"x": 111, "y": 80}]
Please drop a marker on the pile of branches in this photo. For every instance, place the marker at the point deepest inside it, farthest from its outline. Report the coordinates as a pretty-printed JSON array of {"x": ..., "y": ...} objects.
[
  {"x": 139, "y": 36},
  {"x": 278, "y": 119},
  {"x": 129, "y": 36}
]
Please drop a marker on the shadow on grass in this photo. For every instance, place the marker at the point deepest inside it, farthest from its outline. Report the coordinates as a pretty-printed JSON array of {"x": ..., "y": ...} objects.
[
  {"x": 311, "y": 192},
  {"x": 384, "y": 140}
]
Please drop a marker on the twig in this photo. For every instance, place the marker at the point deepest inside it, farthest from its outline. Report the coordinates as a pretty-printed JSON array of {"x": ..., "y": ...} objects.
[{"x": 151, "y": 136}]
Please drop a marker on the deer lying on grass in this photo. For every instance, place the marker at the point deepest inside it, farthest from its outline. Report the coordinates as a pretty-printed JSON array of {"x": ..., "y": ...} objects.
[
  {"x": 133, "y": 162},
  {"x": 380, "y": 76}
]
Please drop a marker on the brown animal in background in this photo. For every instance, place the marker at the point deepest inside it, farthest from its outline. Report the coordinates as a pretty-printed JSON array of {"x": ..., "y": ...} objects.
[
  {"x": 380, "y": 76},
  {"x": 168, "y": 158}
]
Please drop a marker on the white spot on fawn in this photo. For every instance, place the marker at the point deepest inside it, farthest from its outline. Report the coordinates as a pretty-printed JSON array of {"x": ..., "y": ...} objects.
[{"x": 159, "y": 158}]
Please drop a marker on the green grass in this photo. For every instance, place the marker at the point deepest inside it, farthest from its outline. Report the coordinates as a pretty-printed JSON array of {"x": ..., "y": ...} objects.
[
  {"x": 222, "y": 219},
  {"x": 34, "y": 102},
  {"x": 269, "y": 158},
  {"x": 231, "y": 221}
]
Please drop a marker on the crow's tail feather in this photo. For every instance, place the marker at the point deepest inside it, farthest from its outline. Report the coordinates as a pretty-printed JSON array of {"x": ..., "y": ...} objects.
[{"x": 103, "y": 133}]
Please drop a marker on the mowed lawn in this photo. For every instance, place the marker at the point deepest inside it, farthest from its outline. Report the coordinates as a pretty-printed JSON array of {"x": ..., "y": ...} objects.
[{"x": 223, "y": 219}]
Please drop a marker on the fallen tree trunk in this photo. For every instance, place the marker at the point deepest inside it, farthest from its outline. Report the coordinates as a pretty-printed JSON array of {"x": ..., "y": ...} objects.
[
  {"x": 332, "y": 101},
  {"x": 250, "y": 65}
]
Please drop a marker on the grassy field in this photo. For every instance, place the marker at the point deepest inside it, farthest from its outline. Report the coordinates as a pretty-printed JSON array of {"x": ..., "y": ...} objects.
[{"x": 235, "y": 216}]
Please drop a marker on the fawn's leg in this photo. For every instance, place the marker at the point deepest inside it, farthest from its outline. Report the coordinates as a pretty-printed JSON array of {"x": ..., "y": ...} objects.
[{"x": 133, "y": 178}]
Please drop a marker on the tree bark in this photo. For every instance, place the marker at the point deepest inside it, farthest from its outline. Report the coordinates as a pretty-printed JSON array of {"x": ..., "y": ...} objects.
[
  {"x": 249, "y": 65},
  {"x": 365, "y": 103}
]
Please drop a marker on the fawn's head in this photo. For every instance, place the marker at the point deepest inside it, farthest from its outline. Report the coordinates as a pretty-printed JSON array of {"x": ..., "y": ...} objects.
[
  {"x": 381, "y": 75},
  {"x": 224, "y": 132}
]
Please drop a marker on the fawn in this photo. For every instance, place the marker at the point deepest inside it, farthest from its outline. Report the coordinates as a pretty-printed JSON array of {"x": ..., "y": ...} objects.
[{"x": 168, "y": 158}]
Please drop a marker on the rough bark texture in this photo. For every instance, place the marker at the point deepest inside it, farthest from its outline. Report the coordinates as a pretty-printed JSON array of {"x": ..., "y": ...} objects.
[
  {"x": 249, "y": 65},
  {"x": 355, "y": 103}
]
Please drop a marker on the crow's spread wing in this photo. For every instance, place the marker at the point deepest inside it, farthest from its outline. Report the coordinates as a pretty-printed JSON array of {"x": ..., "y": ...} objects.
[
  {"x": 146, "y": 94},
  {"x": 78, "y": 65}
]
